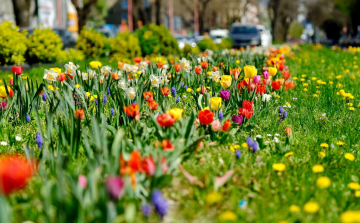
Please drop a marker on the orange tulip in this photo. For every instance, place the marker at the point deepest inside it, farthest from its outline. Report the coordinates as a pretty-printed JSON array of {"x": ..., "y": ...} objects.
[
  {"x": 197, "y": 70},
  {"x": 165, "y": 91},
  {"x": 165, "y": 120},
  {"x": 137, "y": 59},
  {"x": 15, "y": 172},
  {"x": 131, "y": 166},
  {"x": 289, "y": 85},
  {"x": 121, "y": 65},
  {"x": 206, "y": 117},
  {"x": 226, "y": 126},
  {"x": 132, "y": 110},
  {"x": 148, "y": 96},
  {"x": 115, "y": 76},
  {"x": 288, "y": 131},
  {"x": 177, "y": 67},
  {"x": 79, "y": 114},
  {"x": 160, "y": 65},
  {"x": 153, "y": 105},
  {"x": 204, "y": 65},
  {"x": 167, "y": 145}
]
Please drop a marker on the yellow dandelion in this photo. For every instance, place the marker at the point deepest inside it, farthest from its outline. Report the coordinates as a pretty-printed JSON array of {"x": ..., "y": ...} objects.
[
  {"x": 279, "y": 167},
  {"x": 289, "y": 154},
  {"x": 324, "y": 145},
  {"x": 323, "y": 182},
  {"x": 318, "y": 168},
  {"x": 294, "y": 208},
  {"x": 349, "y": 156},
  {"x": 311, "y": 207},
  {"x": 354, "y": 186},
  {"x": 321, "y": 154},
  {"x": 227, "y": 216}
]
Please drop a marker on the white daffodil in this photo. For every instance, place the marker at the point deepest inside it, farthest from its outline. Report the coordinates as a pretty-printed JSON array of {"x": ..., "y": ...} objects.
[
  {"x": 165, "y": 66},
  {"x": 184, "y": 62},
  {"x": 266, "y": 97},
  {"x": 155, "y": 80},
  {"x": 101, "y": 79},
  {"x": 201, "y": 59},
  {"x": 71, "y": 68},
  {"x": 106, "y": 70},
  {"x": 3, "y": 143},
  {"x": 187, "y": 67},
  {"x": 85, "y": 76},
  {"x": 18, "y": 138},
  {"x": 143, "y": 65},
  {"x": 215, "y": 76},
  {"x": 127, "y": 67},
  {"x": 91, "y": 73},
  {"x": 130, "y": 92},
  {"x": 122, "y": 84},
  {"x": 50, "y": 75},
  {"x": 134, "y": 69},
  {"x": 164, "y": 79}
]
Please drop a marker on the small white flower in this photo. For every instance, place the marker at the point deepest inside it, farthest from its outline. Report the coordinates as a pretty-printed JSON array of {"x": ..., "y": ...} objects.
[
  {"x": 184, "y": 96},
  {"x": 50, "y": 75},
  {"x": 276, "y": 139},
  {"x": 85, "y": 76},
  {"x": 268, "y": 135},
  {"x": 18, "y": 138},
  {"x": 276, "y": 134},
  {"x": 201, "y": 59},
  {"x": 258, "y": 136},
  {"x": 3, "y": 143}
]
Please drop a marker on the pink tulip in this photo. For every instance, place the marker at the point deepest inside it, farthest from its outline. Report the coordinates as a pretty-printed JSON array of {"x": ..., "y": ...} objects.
[
  {"x": 216, "y": 125},
  {"x": 257, "y": 79},
  {"x": 82, "y": 181},
  {"x": 4, "y": 105}
]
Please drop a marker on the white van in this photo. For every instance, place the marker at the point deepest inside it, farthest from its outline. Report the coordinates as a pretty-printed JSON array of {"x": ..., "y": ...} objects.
[
  {"x": 218, "y": 34},
  {"x": 266, "y": 38}
]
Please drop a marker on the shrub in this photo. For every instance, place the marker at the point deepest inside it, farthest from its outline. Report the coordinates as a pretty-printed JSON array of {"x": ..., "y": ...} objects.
[
  {"x": 188, "y": 49},
  {"x": 226, "y": 43},
  {"x": 296, "y": 29},
  {"x": 157, "y": 39},
  {"x": 124, "y": 46},
  {"x": 12, "y": 44},
  {"x": 206, "y": 44},
  {"x": 72, "y": 55},
  {"x": 91, "y": 43},
  {"x": 44, "y": 46}
]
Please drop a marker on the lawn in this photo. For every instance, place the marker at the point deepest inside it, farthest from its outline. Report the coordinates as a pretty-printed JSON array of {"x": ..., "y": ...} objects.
[{"x": 113, "y": 149}]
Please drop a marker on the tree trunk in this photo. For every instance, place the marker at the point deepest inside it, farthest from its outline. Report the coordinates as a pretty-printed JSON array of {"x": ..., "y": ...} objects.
[
  {"x": 157, "y": 11},
  {"x": 274, "y": 5},
  {"x": 84, "y": 12},
  {"x": 22, "y": 12}
]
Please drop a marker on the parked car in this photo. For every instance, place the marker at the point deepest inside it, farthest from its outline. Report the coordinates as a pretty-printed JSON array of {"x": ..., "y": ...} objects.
[
  {"x": 183, "y": 39},
  {"x": 218, "y": 34},
  {"x": 266, "y": 38},
  {"x": 244, "y": 35}
]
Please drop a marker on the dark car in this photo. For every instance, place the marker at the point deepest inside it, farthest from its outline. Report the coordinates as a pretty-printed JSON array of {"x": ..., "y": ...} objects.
[{"x": 244, "y": 35}]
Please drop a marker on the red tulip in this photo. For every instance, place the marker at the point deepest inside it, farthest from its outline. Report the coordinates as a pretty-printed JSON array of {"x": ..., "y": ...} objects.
[
  {"x": 79, "y": 114},
  {"x": 148, "y": 166},
  {"x": 17, "y": 70},
  {"x": 197, "y": 70},
  {"x": 15, "y": 172},
  {"x": 177, "y": 67},
  {"x": 165, "y": 120},
  {"x": 165, "y": 91},
  {"x": 137, "y": 59},
  {"x": 206, "y": 117},
  {"x": 167, "y": 145},
  {"x": 276, "y": 85},
  {"x": 204, "y": 65}
]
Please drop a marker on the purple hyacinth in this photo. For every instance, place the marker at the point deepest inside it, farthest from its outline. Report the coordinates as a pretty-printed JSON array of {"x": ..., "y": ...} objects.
[
  {"x": 285, "y": 114},
  {"x": 27, "y": 117},
  {"x": 173, "y": 91},
  {"x": 221, "y": 116},
  {"x": 108, "y": 91},
  {"x": 255, "y": 147},
  {"x": 238, "y": 154},
  {"x": 249, "y": 142},
  {"x": 104, "y": 99},
  {"x": 177, "y": 99},
  {"x": 96, "y": 102},
  {"x": 225, "y": 95},
  {"x": 146, "y": 210},
  {"x": 281, "y": 110},
  {"x": 115, "y": 187},
  {"x": 186, "y": 87},
  {"x": 237, "y": 119},
  {"x": 134, "y": 103},
  {"x": 112, "y": 111},
  {"x": 159, "y": 202},
  {"x": 39, "y": 140},
  {"x": 44, "y": 97}
]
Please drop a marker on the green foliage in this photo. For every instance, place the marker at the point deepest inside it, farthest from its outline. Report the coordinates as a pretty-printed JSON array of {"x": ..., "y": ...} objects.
[
  {"x": 72, "y": 55},
  {"x": 124, "y": 46},
  {"x": 188, "y": 49},
  {"x": 206, "y": 44},
  {"x": 226, "y": 43},
  {"x": 12, "y": 44},
  {"x": 44, "y": 46},
  {"x": 91, "y": 43},
  {"x": 296, "y": 29},
  {"x": 157, "y": 39}
]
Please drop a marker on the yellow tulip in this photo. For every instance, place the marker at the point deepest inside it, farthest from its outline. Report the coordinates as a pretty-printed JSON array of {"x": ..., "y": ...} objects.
[
  {"x": 250, "y": 71},
  {"x": 176, "y": 113},
  {"x": 225, "y": 81},
  {"x": 56, "y": 69},
  {"x": 95, "y": 64},
  {"x": 215, "y": 103},
  {"x": 272, "y": 71}
]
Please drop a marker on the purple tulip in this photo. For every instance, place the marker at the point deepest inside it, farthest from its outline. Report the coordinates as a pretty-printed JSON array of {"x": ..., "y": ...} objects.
[
  {"x": 237, "y": 119},
  {"x": 265, "y": 74},
  {"x": 225, "y": 95},
  {"x": 115, "y": 187},
  {"x": 257, "y": 79}
]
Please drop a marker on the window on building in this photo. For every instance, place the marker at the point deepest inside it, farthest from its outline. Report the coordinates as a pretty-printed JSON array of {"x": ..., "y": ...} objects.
[{"x": 124, "y": 4}]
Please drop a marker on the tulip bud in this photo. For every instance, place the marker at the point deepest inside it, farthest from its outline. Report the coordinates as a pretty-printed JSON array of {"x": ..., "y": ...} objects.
[
  {"x": 203, "y": 90},
  {"x": 288, "y": 131},
  {"x": 11, "y": 82}
]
